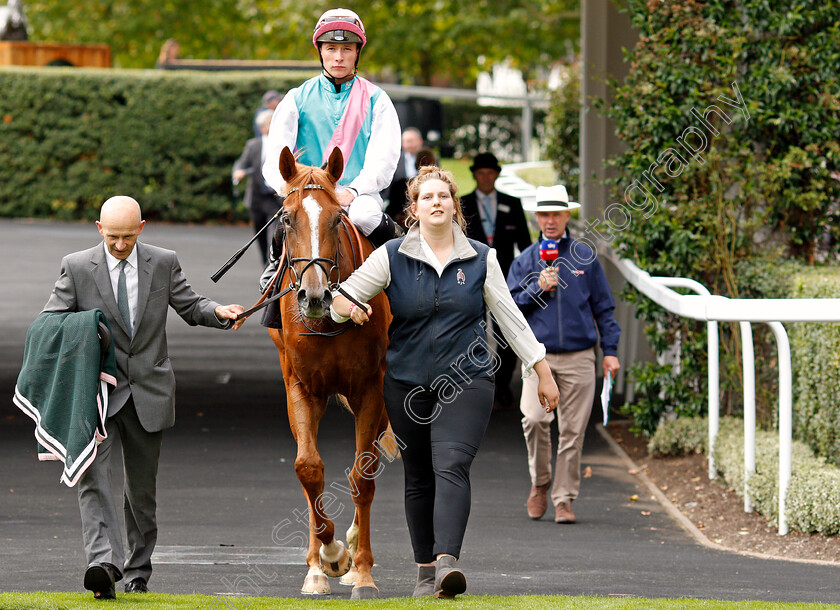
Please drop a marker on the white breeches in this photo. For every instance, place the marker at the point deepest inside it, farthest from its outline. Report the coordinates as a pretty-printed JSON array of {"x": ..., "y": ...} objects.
[{"x": 366, "y": 212}]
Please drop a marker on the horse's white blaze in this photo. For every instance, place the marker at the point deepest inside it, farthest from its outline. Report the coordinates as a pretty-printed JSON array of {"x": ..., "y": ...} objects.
[{"x": 313, "y": 210}]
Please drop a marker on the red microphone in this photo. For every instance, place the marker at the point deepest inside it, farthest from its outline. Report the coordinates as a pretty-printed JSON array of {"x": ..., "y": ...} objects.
[{"x": 549, "y": 253}]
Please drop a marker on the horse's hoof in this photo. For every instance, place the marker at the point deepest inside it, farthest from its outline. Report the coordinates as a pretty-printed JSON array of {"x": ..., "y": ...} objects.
[
  {"x": 335, "y": 560},
  {"x": 364, "y": 593},
  {"x": 315, "y": 583},
  {"x": 350, "y": 578}
]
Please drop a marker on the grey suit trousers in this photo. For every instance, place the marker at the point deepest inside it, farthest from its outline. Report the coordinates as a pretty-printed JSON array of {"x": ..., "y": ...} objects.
[{"x": 100, "y": 525}]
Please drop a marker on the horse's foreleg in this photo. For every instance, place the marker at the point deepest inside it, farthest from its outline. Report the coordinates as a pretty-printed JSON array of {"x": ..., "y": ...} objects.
[{"x": 305, "y": 413}]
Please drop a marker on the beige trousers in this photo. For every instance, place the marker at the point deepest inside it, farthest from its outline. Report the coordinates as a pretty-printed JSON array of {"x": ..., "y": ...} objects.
[{"x": 574, "y": 373}]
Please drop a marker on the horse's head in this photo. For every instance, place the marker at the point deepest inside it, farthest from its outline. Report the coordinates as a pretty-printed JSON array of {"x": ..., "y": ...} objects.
[{"x": 311, "y": 218}]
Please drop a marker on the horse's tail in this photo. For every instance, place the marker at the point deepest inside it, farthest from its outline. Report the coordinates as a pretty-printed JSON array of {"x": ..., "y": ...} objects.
[
  {"x": 387, "y": 441},
  {"x": 342, "y": 400}
]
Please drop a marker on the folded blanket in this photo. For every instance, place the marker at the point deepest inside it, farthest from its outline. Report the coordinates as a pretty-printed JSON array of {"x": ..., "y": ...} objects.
[{"x": 62, "y": 386}]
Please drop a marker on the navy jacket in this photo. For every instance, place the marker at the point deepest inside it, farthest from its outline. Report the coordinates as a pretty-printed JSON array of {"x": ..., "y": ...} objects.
[
  {"x": 437, "y": 320},
  {"x": 565, "y": 320}
]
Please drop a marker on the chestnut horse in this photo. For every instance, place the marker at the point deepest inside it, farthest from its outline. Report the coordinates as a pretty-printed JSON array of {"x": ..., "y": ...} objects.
[{"x": 321, "y": 249}]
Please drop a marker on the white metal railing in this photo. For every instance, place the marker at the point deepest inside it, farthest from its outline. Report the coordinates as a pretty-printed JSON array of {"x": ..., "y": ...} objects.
[{"x": 713, "y": 309}]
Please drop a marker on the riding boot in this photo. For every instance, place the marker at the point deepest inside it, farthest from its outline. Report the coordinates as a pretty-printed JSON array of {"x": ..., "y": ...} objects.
[
  {"x": 386, "y": 230},
  {"x": 268, "y": 273},
  {"x": 274, "y": 253}
]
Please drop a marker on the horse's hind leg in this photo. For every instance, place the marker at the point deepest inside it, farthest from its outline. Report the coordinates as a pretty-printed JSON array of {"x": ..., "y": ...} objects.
[
  {"x": 371, "y": 421},
  {"x": 352, "y": 576}
]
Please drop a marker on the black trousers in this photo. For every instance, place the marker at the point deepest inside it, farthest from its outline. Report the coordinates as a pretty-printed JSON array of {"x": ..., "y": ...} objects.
[{"x": 440, "y": 439}]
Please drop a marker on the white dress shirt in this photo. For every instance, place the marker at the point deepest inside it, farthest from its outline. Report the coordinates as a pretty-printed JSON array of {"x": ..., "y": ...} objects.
[
  {"x": 410, "y": 165},
  {"x": 130, "y": 279}
]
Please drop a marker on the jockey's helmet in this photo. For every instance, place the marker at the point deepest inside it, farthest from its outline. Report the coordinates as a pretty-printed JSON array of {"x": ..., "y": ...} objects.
[{"x": 339, "y": 25}]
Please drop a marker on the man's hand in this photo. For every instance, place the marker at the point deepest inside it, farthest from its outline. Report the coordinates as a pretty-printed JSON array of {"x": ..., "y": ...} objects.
[
  {"x": 238, "y": 175},
  {"x": 548, "y": 279},
  {"x": 345, "y": 197},
  {"x": 611, "y": 366},
  {"x": 229, "y": 312}
]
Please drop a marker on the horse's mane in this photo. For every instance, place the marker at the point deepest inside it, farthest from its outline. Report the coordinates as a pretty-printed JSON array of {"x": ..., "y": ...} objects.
[{"x": 312, "y": 175}]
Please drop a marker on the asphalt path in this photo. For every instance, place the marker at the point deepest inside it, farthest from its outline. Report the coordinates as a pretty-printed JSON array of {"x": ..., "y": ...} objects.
[{"x": 229, "y": 501}]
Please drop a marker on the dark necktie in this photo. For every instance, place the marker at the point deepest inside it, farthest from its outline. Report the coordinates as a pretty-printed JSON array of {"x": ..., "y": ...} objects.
[{"x": 122, "y": 297}]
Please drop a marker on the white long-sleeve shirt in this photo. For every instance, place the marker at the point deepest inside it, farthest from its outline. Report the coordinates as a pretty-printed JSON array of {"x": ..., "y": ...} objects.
[
  {"x": 376, "y": 151},
  {"x": 374, "y": 275}
]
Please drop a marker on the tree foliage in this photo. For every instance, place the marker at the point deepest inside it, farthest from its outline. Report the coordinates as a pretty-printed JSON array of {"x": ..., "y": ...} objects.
[
  {"x": 415, "y": 41},
  {"x": 764, "y": 189}
]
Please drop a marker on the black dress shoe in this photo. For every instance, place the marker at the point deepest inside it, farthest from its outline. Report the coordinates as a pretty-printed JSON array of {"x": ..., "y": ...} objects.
[
  {"x": 100, "y": 579},
  {"x": 137, "y": 585}
]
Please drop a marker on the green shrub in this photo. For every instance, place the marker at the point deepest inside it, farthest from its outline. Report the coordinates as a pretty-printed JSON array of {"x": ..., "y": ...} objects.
[
  {"x": 816, "y": 362},
  {"x": 680, "y": 436},
  {"x": 562, "y": 131},
  {"x": 813, "y": 499},
  {"x": 71, "y": 138},
  {"x": 764, "y": 183}
]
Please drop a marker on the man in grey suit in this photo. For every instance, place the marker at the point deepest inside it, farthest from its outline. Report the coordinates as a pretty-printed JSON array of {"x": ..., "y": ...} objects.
[
  {"x": 134, "y": 284},
  {"x": 260, "y": 199}
]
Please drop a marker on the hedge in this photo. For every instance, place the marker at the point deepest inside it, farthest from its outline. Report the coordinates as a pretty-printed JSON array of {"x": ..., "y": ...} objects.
[
  {"x": 816, "y": 362},
  {"x": 813, "y": 498},
  {"x": 70, "y": 138}
]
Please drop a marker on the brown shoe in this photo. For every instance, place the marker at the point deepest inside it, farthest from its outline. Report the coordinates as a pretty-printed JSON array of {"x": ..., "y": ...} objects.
[
  {"x": 563, "y": 513},
  {"x": 537, "y": 501}
]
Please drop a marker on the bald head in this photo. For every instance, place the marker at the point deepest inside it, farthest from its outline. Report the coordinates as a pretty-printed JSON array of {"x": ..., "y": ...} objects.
[{"x": 120, "y": 223}]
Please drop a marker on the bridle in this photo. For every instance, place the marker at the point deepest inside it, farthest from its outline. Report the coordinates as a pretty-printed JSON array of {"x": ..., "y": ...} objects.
[
  {"x": 319, "y": 261},
  {"x": 327, "y": 265}
]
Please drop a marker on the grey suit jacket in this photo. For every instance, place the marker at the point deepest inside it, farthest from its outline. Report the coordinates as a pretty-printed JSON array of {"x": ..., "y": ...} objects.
[{"x": 143, "y": 368}]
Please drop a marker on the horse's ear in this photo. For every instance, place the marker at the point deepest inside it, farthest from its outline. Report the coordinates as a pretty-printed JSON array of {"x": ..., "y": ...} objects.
[
  {"x": 288, "y": 164},
  {"x": 335, "y": 166}
]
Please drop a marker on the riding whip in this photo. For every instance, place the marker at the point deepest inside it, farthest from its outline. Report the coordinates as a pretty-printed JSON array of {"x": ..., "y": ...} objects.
[{"x": 233, "y": 259}]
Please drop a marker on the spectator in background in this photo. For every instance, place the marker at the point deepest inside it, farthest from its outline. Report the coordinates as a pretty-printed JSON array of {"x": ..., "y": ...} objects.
[
  {"x": 496, "y": 219},
  {"x": 260, "y": 199},
  {"x": 425, "y": 157},
  {"x": 395, "y": 194},
  {"x": 168, "y": 53},
  {"x": 270, "y": 100},
  {"x": 563, "y": 303}
]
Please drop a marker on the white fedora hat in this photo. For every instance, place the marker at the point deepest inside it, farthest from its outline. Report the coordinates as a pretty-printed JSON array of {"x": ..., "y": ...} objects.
[{"x": 551, "y": 199}]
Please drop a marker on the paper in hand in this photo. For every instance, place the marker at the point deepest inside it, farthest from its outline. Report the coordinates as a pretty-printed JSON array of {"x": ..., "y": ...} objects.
[{"x": 605, "y": 397}]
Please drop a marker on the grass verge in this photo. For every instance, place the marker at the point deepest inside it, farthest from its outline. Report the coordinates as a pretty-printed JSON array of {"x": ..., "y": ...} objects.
[{"x": 160, "y": 601}]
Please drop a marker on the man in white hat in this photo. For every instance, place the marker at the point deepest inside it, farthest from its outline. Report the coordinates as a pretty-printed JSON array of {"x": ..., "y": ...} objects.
[{"x": 561, "y": 289}]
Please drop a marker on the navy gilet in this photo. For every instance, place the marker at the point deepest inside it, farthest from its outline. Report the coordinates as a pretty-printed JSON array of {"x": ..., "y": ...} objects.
[{"x": 438, "y": 320}]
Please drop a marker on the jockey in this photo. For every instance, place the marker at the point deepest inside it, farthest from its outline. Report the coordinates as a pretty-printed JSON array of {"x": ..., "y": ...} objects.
[{"x": 339, "y": 108}]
